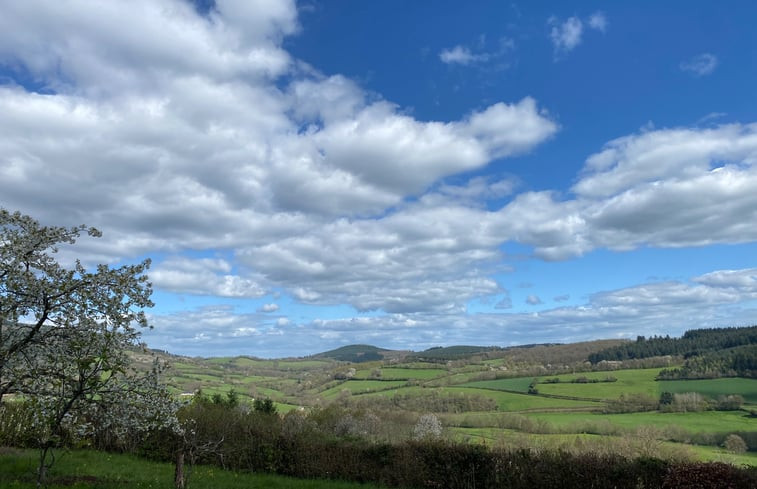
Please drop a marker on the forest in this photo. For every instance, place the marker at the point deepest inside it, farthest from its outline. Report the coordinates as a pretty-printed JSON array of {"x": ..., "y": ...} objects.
[{"x": 708, "y": 353}]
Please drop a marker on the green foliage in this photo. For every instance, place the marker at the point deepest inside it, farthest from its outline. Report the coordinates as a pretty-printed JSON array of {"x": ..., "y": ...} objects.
[
  {"x": 265, "y": 406},
  {"x": 731, "y": 362},
  {"x": 666, "y": 399}
]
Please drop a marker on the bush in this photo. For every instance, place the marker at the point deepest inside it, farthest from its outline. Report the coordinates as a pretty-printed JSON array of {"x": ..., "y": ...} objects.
[
  {"x": 729, "y": 403},
  {"x": 15, "y": 419},
  {"x": 735, "y": 444}
]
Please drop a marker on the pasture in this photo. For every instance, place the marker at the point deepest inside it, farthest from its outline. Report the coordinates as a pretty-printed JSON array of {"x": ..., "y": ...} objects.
[{"x": 747, "y": 388}]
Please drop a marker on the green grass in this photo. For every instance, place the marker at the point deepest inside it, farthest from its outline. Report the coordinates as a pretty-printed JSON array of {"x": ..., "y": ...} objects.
[
  {"x": 714, "y": 454},
  {"x": 702, "y": 422},
  {"x": 204, "y": 377},
  {"x": 747, "y": 388},
  {"x": 85, "y": 469},
  {"x": 640, "y": 381},
  {"x": 268, "y": 392},
  {"x": 505, "y": 437},
  {"x": 519, "y": 384},
  {"x": 400, "y": 373},
  {"x": 509, "y": 402},
  {"x": 302, "y": 364},
  {"x": 283, "y": 408},
  {"x": 356, "y": 387},
  {"x": 412, "y": 373},
  {"x": 506, "y": 401}
]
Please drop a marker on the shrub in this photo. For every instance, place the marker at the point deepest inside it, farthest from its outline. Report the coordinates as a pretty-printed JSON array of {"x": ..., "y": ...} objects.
[
  {"x": 729, "y": 403},
  {"x": 735, "y": 444}
]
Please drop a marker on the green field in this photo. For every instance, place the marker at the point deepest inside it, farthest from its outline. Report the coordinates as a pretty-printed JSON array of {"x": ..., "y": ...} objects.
[
  {"x": 404, "y": 373},
  {"x": 713, "y": 388},
  {"x": 700, "y": 422},
  {"x": 518, "y": 384},
  {"x": 641, "y": 381},
  {"x": 356, "y": 387},
  {"x": 511, "y": 438},
  {"x": 82, "y": 469},
  {"x": 509, "y": 401}
]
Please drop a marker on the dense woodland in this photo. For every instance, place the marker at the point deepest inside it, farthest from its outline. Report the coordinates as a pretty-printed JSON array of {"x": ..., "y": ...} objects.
[{"x": 708, "y": 353}]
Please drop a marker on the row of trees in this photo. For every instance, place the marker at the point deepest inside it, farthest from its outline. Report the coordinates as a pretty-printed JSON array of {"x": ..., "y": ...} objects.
[{"x": 65, "y": 337}]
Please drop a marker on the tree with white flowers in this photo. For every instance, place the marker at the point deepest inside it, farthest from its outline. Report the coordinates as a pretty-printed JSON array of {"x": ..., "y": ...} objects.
[
  {"x": 65, "y": 334},
  {"x": 428, "y": 427}
]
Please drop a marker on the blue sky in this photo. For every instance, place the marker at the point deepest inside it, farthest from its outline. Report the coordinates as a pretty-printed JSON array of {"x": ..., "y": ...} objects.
[{"x": 406, "y": 174}]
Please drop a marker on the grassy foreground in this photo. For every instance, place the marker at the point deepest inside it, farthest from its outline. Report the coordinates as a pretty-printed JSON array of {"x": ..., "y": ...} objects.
[{"x": 88, "y": 469}]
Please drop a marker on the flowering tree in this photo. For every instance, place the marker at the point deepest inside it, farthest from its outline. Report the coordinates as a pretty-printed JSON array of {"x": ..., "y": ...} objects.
[
  {"x": 428, "y": 427},
  {"x": 65, "y": 335}
]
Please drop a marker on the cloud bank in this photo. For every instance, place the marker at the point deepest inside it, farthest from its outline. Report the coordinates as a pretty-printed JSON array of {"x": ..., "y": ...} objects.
[{"x": 185, "y": 135}]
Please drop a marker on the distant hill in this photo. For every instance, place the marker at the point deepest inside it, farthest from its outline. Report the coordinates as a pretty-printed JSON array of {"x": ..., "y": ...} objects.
[
  {"x": 355, "y": 354},
  {"x": 457, "y": 352},
  {"x": 367, "y": 353}
]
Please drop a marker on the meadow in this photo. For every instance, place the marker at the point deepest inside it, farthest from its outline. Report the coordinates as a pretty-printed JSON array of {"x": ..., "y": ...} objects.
[
  {"x": 85, "y": 469},
  {"x": 747, "y": 388}
]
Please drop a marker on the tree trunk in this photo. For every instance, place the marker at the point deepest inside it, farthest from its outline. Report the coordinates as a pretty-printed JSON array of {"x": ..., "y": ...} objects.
[
  {"x": 179, "y": 478},
  {"x": 43, "y": 466}
]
